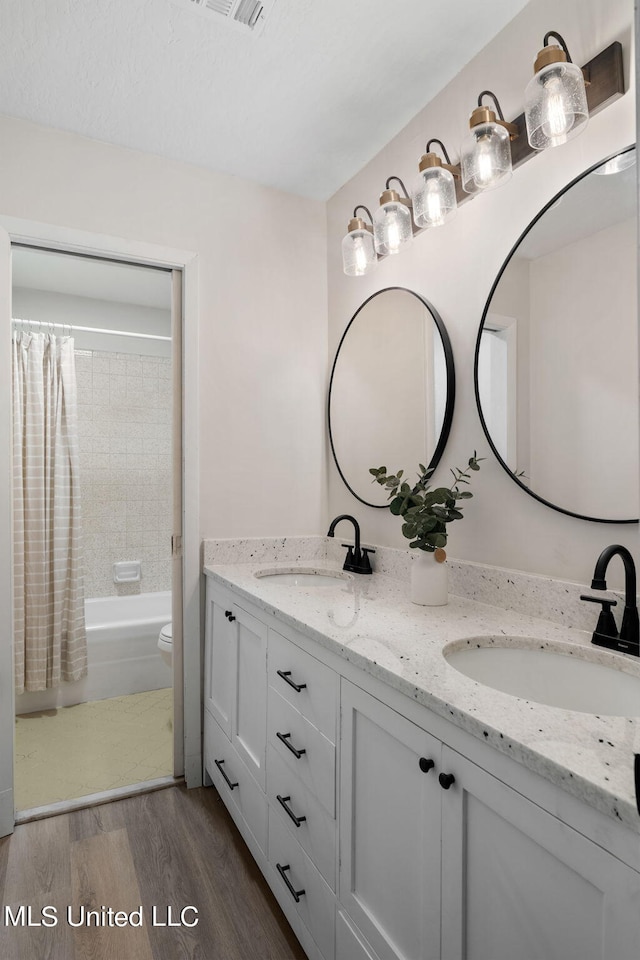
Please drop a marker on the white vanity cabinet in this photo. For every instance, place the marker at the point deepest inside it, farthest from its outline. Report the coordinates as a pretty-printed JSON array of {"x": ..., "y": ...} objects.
[
  {"x": 301, "y": 750},
  {"x": 389, "y": 828},
  {"x": 235, "y": 692},
  {"x": 448, "y": 861},
  {"x": 518, "y": 882},
  {"x": 236, "y": 677},
  {"x": 219, "y": 652},
  {"x": 302, "y": 704},
  {"x": 387, "y": 832},
  {"x": 269, "y": 749}
]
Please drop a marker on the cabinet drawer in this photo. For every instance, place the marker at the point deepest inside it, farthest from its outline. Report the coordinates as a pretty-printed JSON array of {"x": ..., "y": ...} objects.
[
  {"x": 245, "y": 795},
  {"x": 316, "y": 833},
  {"x": 315, "y": 902},
  {"x": 317, "y": 700},
  {"x": 288, "y": 731}
]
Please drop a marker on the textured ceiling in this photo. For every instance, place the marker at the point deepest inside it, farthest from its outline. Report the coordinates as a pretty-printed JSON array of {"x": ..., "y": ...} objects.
[{"x": 301, "y": 107}]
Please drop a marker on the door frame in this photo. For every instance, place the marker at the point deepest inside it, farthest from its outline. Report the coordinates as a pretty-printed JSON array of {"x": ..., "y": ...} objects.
[
  {"x": 7, "y": 688},
  {"x": 69, "y": 240}
]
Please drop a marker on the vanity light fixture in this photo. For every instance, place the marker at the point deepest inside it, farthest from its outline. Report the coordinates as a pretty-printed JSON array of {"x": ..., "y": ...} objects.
[
  {"x": 434, "y": 190},
  {"x": 555, "y": 106},
  {"x": 558, "y": 106},
  {"x": 392, "y": 220},
  {"x": 485, "y": 157},
  {"x": 358, "y": 250}
]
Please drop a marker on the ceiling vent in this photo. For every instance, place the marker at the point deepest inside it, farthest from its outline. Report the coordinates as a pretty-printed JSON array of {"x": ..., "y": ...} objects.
[{"x": 245, "y": 15}]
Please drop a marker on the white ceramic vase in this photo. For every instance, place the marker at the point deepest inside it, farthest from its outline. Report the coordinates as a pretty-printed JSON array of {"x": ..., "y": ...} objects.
[{"x": 429, "y": 578}]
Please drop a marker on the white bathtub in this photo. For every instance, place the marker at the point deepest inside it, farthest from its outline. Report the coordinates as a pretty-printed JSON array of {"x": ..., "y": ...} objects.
[{"x": 122, "y": 649}]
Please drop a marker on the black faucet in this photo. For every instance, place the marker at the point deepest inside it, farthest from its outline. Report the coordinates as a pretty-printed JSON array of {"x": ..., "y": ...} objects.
[
  {"x": 606, "y": 633},
  {"x": 357, "y": 560}
]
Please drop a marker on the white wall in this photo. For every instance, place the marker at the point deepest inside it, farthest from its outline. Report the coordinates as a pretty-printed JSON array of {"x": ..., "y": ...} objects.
[
  {"x": 262, "y": 305},
  {"x": 454, "y": 267}
]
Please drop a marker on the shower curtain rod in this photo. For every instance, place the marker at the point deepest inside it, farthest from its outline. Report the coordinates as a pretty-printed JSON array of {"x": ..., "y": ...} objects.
[{"x": 73, "y": 326}]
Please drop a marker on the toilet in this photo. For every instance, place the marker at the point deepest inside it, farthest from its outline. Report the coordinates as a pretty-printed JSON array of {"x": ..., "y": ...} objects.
[{"x": 165, "y": 644}]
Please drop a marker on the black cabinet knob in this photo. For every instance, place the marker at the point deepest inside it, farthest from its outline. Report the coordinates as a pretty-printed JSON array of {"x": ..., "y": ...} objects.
[
  {"x": 227, "y": 613},
  {"x": 445, "y": 780},
  {"x": 426, "y": 764}
]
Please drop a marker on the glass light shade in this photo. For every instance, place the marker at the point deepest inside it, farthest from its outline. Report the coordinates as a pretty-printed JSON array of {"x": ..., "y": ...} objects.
[
  {"x": 434, "y": 197},
  {"x": 555, "y": 105},
  {"x": 617, "y": 164},
  {"x": 485, "y": 157},
  {"x": 391, "y": 227},
  {"x": 358, "y": 253}
]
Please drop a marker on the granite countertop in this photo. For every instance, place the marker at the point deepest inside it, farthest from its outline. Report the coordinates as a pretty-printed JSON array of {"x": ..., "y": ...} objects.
[{"x": 371, "y": 622}]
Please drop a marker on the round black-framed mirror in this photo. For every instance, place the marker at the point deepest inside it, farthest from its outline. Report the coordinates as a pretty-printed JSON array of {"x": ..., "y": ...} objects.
[
  {"x": 556, "y": 389},
  {"x": 391, "y": 391}
]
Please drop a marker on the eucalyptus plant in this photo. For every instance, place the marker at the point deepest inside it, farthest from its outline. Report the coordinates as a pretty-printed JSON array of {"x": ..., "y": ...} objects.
[{"x": 425, "y": 511}]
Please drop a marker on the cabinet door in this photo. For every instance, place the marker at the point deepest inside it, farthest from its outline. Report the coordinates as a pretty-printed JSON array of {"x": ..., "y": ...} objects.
[
  {"x": 239, "y": 791},
  {"x": 219, "y": 659},
  {"x": 389, "y": 829},
  {"x": 249, "y": 701},
  {"x": 349, "y": 942},
  {"x": 517, "y": 882},
  {"x": 349, "y": 945}
]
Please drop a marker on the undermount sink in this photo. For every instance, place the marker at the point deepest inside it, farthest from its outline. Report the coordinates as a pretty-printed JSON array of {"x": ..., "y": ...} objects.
[
  {"x": 551, "y": 675},
  {"x": 304, "y": 578}
]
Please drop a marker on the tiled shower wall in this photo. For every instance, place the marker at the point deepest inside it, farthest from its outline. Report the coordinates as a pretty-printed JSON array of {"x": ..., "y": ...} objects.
[{"x": 124, "y": 425}]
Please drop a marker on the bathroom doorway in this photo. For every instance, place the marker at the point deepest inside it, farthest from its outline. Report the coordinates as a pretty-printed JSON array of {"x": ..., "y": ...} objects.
[{"x": 103, "y": 722}]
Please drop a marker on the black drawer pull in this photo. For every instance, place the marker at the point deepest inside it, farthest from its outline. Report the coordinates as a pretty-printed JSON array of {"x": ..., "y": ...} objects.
[
  {"x": 230, "y": 617},
  {"x": 284, "y": 737},
  {"x": 285, "y": 674},
  {"x": 296, "y": 894},
  {"x": 426, "y": 764},
  {"x": 218, "y": 764},
  {"x": 445, "y": 780},
  {"x": 287, "y": 809}
]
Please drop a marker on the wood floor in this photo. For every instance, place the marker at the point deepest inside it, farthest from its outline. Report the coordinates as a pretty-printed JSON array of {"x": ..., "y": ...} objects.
[{"x": 173, "y": 848}]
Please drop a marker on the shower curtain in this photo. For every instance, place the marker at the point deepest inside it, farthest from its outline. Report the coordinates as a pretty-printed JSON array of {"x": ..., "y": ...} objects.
[{"x": 49, "y": 627}]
